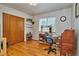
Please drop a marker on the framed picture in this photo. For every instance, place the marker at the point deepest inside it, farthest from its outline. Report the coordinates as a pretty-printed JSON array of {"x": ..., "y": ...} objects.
[{"x": 77, "y": 10}]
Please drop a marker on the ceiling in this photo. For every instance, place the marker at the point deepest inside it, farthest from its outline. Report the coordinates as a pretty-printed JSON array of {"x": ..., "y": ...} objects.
[{"x": 40, "y": 8}]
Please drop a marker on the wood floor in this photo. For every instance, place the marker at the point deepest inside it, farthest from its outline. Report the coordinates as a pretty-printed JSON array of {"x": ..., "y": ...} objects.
[{"x": 29, "y": 48}]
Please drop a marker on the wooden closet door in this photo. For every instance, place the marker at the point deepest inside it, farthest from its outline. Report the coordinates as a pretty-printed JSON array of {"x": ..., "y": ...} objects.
[
  {"x": 20, "y": 29},
  {"x": 13, "y": 34},
  {"x": 6, "y": 26},
  {"x": 13, "y": 28}
]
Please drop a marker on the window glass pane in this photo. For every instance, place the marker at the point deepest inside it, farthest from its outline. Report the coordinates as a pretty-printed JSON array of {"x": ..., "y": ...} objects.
[
  {"x": 45, "y": 29},
  {"x": 50, "y": 21},
  {"x": 43, "y": 21}
]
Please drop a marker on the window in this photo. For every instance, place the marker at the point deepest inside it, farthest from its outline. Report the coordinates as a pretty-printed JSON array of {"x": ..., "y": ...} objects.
[{"x": 46, "y": 22}]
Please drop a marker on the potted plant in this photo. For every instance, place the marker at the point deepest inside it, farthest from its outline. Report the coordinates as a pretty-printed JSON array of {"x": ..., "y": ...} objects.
[{"x": 30, "y": 20}]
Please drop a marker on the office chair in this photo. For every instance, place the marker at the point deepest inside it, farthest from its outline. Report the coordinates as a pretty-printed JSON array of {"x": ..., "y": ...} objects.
[{"x": 50, "y": 42}]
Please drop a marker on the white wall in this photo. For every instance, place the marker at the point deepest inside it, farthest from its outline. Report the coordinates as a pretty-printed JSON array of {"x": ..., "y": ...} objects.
[
  {"x": 77, "y": 33},
  {"x": 12, "y": 11},
  {"x": 75, "y": 24},
  {"x": 60, "y": 26}
]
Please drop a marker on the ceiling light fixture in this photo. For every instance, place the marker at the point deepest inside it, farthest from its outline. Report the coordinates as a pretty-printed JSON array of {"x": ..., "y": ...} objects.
[{"x": 33, "y": 4}]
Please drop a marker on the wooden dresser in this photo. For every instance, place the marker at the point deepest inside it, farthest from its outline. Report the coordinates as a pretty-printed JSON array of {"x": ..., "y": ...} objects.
[{"x": 67, "y": 43}]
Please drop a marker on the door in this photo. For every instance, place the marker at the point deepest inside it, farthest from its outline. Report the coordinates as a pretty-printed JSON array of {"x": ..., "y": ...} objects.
[
  {"x": 6, "y": 27},
  {"x": 20, "y": 29},
  {"x": 13, "y": 28}
]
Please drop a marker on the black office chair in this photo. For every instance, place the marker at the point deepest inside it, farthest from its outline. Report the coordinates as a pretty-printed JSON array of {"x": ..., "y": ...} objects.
[{"x": 50, "y": 42}]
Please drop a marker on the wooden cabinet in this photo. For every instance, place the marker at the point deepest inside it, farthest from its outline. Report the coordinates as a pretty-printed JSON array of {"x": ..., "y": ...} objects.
[
  {"x": 67, "y": 42},
  {"x": 13, "y": 28}
]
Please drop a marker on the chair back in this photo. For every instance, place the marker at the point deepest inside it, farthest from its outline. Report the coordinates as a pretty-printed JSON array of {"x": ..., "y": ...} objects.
[{"x": 49, "y": 39}]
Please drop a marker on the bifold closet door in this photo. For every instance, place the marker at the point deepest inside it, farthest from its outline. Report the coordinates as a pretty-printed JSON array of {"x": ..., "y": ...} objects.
[
  {"x": 20, "y": 29},
  {"x": 13, "y": 28},
  {"x": 6, "y": 26}
]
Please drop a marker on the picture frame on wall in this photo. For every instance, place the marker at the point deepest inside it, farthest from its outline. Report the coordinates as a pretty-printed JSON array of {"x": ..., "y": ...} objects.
[{"x": 76, "y": 10}]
